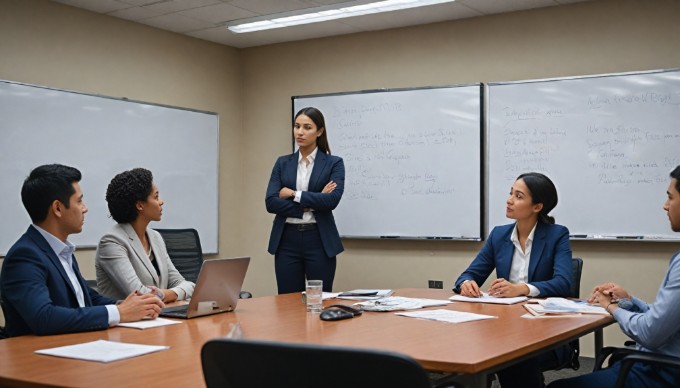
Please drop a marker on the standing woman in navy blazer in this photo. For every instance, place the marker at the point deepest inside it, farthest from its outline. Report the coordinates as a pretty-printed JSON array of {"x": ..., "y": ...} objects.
[
  {"x": 532, "y": 257},
  {"x": 303, "y": 190}
]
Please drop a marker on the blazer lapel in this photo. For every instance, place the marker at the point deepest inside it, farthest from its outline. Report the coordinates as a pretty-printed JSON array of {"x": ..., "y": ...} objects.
[
  {"x": 138, "y": 249},
  {"x": 505, "y": 253},
  {"x": 319, "y": 166},
  {"x": 290, "y": 171},
  {"x": 537, "y": 247},
  {"x": 56, "y": 262}
]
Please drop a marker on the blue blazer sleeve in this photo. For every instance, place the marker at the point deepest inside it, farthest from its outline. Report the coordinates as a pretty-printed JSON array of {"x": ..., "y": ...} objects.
[
  {"x": 38, "y": 297},
  {"x": 549, "y": 265}
]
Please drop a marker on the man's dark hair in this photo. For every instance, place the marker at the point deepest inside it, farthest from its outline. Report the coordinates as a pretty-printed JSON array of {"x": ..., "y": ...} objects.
[
  {"x": 44, "y": 185},
  {"x": 676, "y": 174}
]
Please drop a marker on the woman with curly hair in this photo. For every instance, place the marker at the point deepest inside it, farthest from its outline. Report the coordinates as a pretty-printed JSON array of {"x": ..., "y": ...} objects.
[{"x": 132, "y": 256}]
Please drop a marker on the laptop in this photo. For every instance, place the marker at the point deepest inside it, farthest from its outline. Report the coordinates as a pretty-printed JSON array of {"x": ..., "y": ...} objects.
[{"x": 217, "y": 289}]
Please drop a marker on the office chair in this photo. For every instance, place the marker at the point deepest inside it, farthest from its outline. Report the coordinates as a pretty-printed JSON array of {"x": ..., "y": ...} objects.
[
  {"x": 184, "y": 249},
  {"x": 574, "y": 292},
  {"x": 3, "y": 333},
  {"x": 241, "y": 363},
  {"x": 628, "y": 357}
]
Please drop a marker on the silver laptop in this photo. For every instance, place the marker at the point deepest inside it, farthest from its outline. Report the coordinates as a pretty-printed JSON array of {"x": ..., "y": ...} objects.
[{"x": 217, "y": 289}]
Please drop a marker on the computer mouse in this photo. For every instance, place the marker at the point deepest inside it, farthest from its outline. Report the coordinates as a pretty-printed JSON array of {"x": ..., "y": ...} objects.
[
  {"x": 351, "y": 309},
  {"x": 335, "y": 315}
]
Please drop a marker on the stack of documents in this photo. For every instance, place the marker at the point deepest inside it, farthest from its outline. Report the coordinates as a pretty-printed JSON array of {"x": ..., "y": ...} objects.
[
  {"x": 485, "y": 298},
  {"x": 362, "y": 294},
  {"x": 394, "y": 303},
  {"x": 563, "y": 307}
]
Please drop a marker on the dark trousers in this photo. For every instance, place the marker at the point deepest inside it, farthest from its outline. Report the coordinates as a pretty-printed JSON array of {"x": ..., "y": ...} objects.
[
  {"x": 301, "y": 256},
  {"x": 640, "y": 375},
  {"x": 528, "y": 373}
]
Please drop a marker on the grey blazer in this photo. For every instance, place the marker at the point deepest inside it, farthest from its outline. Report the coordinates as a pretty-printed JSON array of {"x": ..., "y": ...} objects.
[{"x": 122, "y": 265}]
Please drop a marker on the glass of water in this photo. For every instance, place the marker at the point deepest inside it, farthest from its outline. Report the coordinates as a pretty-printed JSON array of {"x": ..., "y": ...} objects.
[{"x": 314, "y": 292}]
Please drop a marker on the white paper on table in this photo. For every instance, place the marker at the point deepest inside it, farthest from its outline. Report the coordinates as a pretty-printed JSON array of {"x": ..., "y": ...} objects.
[
  {"x": 149, "y": 323},
  {"x": 101, "y": 351},
  {"x": 450, "y": 316},
  {"x": 485, "y": 298},
  {"x": 394, "y": 303},
  {"x": 560, "y": 305}
]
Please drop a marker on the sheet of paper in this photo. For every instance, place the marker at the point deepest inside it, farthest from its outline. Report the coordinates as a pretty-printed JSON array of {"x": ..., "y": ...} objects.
[
  {"x": 394, "y": 303},
  {"x": 101, "y": 351},
  {"x": 485, "y": 298},
  {"x": 446, "y": 315},
  {"x": 146, "y": 324}
]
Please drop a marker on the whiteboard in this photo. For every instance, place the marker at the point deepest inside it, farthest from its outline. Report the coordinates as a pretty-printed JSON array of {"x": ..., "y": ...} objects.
[
  {"x": 608, "y": 142},
  {"x": 412, "y": 160},
  {"x": 102, "y": 137}
]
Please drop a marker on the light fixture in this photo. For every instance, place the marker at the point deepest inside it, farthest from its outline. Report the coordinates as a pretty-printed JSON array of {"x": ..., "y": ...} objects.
[{"x": 324, "y": 14}]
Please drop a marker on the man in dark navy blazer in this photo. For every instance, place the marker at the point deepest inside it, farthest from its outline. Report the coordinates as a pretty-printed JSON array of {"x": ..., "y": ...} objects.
[{"x": 43, "y": 291}]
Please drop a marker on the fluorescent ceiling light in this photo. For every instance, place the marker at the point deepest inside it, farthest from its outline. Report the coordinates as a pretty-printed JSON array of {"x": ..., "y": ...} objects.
[{"x": 332, "y": 14}]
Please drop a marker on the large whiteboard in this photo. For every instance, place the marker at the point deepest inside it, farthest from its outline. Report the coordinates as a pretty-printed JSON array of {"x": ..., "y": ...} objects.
[
  {"x": 412, "y": 160},
  {"x": 102, "y": 137},
  {"x": 608, "y": 142}
]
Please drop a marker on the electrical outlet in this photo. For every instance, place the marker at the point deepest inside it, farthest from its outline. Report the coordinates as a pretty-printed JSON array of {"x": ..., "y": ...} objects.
[{"x": 435, "y": 284}]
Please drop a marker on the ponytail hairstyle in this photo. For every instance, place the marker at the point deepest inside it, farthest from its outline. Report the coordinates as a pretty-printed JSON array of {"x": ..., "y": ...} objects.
[
  {"x": 317, "y": 117},
  {"x": 543, "y": 191}
]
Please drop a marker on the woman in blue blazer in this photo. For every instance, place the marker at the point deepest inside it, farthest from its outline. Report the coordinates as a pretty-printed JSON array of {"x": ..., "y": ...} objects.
[
  {"x": 303, "y": 190},
  {"x": 532, "y": 257}
]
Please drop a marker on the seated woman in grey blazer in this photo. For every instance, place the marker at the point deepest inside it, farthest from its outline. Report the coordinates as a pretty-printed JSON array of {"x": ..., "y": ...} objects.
[{"x": 131, "y": 256}]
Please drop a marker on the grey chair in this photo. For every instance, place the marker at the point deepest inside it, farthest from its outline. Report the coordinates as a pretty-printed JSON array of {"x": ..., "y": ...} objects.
[
  {"x": 240, "y": 363},
  {"x": 184, "y": 249}
]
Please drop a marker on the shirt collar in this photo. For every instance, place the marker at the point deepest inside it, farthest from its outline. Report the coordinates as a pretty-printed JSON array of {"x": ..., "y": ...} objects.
[
  {"x": 311, "y": 156},
  {"x": 515, "y": 239},
  {"x": 60, "y": 248}
]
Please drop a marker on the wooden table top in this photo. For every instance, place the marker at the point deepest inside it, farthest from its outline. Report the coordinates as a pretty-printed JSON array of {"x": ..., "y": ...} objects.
[{"x": 470, "y": 347}]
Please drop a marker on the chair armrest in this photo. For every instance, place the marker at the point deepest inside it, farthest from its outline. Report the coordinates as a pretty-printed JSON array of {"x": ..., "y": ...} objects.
[
  {"x": 647, "y": 358},
  {"x": 615, "y": 354}
]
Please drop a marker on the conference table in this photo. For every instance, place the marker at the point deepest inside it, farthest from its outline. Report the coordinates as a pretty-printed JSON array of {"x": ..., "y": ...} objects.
[{"x": 471, "y": 349}]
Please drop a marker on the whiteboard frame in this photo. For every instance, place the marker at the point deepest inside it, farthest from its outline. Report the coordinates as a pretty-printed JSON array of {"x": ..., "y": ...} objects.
[
  {"x": 487, "y": 118},
  {"x": 208, "y": 247},
  {"x": 482, "y": 131}
]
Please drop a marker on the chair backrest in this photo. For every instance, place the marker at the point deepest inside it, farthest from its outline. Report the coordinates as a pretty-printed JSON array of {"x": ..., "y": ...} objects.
[
  {"x": 577, "y": 268},
  {"x": 184, "y": 249},
  {"x": 236, "y": 363}
]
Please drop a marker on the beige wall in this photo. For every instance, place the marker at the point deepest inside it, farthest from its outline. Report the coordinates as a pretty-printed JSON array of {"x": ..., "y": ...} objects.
[{"x": 54, "y": 45}]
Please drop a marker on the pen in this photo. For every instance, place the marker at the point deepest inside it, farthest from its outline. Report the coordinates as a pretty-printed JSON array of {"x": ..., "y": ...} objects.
[
  {"x": 389, "y": 236},
  {"x": 579, "y": 236},
  {"x": 629, "y": 237}
]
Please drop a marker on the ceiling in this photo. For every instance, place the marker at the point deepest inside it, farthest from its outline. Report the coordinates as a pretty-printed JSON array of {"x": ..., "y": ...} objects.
[{"x": 206, "y": 19}]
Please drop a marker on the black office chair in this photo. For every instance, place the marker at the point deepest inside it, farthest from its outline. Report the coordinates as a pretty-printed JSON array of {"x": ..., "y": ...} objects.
[
  {"x": 3, "y": 333},
  {"x": 240, "y": 363},
  {"x": 184, "y": 249},
  {"x": 628, "y": 357},
  {"x": 574, "y": 292}
]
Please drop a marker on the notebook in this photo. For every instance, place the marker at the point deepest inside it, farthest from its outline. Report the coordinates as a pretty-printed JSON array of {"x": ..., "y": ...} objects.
[{"x": 217, "y": 289}]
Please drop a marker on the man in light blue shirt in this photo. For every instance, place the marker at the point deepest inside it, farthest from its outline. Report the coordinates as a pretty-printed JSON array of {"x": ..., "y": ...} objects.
[
  {"x": 43, "y": 291},
  {"x": 655, "y": 327}
]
